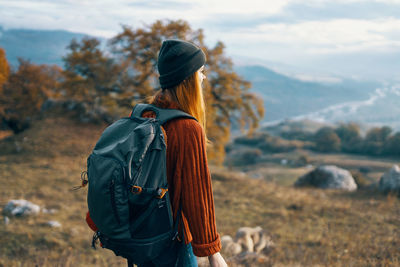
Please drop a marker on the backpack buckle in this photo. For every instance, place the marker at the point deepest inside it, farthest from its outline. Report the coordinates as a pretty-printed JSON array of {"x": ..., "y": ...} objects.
[
  {"x": 176, "y": 237},
  {"x": 135, "y": 189},
  {"x": 161, "y": 192}
]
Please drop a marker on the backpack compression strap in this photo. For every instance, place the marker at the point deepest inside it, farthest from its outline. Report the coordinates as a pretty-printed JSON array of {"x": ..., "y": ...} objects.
[{"x": 162, "y": 114}]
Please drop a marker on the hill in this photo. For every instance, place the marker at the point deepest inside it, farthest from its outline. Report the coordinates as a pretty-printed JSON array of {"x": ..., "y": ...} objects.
[
  {"x": 310, "y": 227},
  {"x": 285, "y": 97}
]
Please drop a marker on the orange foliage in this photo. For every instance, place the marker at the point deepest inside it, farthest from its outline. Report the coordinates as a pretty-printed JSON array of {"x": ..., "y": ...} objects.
[
  {"x": 4, "y": 67},
  {"x": 25, "y": 92}
]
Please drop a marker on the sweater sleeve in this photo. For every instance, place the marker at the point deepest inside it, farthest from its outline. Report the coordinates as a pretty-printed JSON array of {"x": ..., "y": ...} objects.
[{"x": 196, "y": 189}]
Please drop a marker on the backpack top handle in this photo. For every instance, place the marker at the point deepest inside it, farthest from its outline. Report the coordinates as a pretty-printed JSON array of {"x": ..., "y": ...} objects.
[{"x": 162, "y": 114}]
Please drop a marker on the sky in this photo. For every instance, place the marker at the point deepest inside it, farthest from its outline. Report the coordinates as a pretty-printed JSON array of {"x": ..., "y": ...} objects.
[{"x": 312, "y": 40}]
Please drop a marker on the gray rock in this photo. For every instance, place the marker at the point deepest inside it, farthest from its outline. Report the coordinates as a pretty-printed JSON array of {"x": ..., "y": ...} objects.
[
  {"x": 328, "y": 177},
  {"x": 390, "y": 181},
  {"x": 21, "y": 207}
]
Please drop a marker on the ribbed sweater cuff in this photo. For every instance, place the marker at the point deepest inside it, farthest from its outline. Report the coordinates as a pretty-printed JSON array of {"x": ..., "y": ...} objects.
[{"x": 203, "y": 250}]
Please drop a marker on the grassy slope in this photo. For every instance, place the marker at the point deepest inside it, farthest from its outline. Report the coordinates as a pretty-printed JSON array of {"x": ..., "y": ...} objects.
[{"x": 310, "y": 227}]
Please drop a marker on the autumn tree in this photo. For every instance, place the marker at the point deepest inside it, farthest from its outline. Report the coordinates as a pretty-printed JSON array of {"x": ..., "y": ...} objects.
[
  {"x": 4, "y": 67},
  {"x": 92, "y": 78},
  {"x": 25, "y": 92},
  {"x": 4, "y": 73},
  {"x": 133, "y": 77}
]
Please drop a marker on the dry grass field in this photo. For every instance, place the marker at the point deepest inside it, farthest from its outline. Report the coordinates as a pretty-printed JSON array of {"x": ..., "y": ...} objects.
[{"x": 310, "y": 227}]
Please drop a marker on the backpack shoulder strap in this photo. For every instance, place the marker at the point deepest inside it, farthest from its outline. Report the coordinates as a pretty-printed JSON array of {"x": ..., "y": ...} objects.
[
  {"x": 140, "y": 108},
  {"x": 162, "y": 114}
]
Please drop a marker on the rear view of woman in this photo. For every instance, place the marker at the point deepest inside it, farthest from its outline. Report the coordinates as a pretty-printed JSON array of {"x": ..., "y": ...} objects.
[{"x": 181, "y": 69}]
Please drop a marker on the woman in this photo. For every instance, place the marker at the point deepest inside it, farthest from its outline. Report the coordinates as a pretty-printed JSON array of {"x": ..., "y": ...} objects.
[{"x": 181, "y": 65}]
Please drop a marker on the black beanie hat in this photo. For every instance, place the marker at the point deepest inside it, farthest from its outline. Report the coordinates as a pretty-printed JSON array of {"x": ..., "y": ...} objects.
[{"x": 177, "y": 60}]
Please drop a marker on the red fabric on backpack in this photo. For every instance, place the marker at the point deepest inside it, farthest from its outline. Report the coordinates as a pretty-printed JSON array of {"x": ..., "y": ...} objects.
[{"x": 90, "y": 222}]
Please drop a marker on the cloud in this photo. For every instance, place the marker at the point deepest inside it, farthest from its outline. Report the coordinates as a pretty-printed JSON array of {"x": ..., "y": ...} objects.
[
  {"x": 253, "y": 7},
  {"x": 99, "y": 18},
  {"x": 325, "y": 2},
  {"x": 335, "y": 36},
  {"x": 306, "y": 11},
  {"x": 320, "y": 79},
  {"x": 87, "y": 15}
]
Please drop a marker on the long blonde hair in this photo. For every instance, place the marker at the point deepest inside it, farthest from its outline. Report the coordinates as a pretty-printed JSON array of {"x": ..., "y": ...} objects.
[{"x": 189, "y": 97}]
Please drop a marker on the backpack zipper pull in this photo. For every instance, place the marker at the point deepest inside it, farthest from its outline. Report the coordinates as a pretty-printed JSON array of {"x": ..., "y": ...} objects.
[{"x": 84, "y": 180}]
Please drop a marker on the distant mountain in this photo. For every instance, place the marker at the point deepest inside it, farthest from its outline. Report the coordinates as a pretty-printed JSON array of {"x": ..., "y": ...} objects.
[
  {"x": 285, "y": 97},
  {"x": 39, "y": 46}
]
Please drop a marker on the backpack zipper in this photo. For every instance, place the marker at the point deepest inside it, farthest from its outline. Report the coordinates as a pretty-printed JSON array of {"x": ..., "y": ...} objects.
[
  {"x": 136, "y": 175},
  {"x": 113, "y": 204}
]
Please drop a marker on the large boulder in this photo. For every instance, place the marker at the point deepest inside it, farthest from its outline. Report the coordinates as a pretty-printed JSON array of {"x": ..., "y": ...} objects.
[
  {"x": 390, "y": 181},
  {"x": 21, "y": 207},
  {"x": 327, "y": 177}
]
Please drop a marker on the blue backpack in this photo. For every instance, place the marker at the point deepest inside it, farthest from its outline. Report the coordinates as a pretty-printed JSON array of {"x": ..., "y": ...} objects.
[{"x": 128, "y": 196}]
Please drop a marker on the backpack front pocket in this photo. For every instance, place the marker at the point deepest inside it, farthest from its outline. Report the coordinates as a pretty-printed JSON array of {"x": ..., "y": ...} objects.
[{"x": 108, "y": 196}]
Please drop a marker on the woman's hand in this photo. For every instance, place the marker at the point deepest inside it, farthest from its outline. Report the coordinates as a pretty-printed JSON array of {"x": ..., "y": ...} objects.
[{"x": 216, "y": 260}]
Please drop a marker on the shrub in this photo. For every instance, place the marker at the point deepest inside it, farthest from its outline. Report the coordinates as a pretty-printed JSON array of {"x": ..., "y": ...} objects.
[
  {"x": 375, "y": 140},
  {"x": 326, "y": 140},
  {"x": 302, "y": 160},
  {"x": 392, "y": 145},
  {"x": 244, "y": 156},
  {"x": 350, "y": 137}
]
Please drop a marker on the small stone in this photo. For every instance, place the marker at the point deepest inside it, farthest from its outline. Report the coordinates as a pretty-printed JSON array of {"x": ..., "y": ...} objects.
[
  {"x": 49, "y": 211},
  {"x": 309, "y": 166},
  {"x": 18, "y": 147},
  {"x": 55, "y": 224},
  {"x": 6, "y": 220}
]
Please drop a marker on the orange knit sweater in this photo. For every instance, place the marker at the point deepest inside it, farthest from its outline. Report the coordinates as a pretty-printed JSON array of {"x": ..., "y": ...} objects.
[{"x": 189, "y": 181}]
